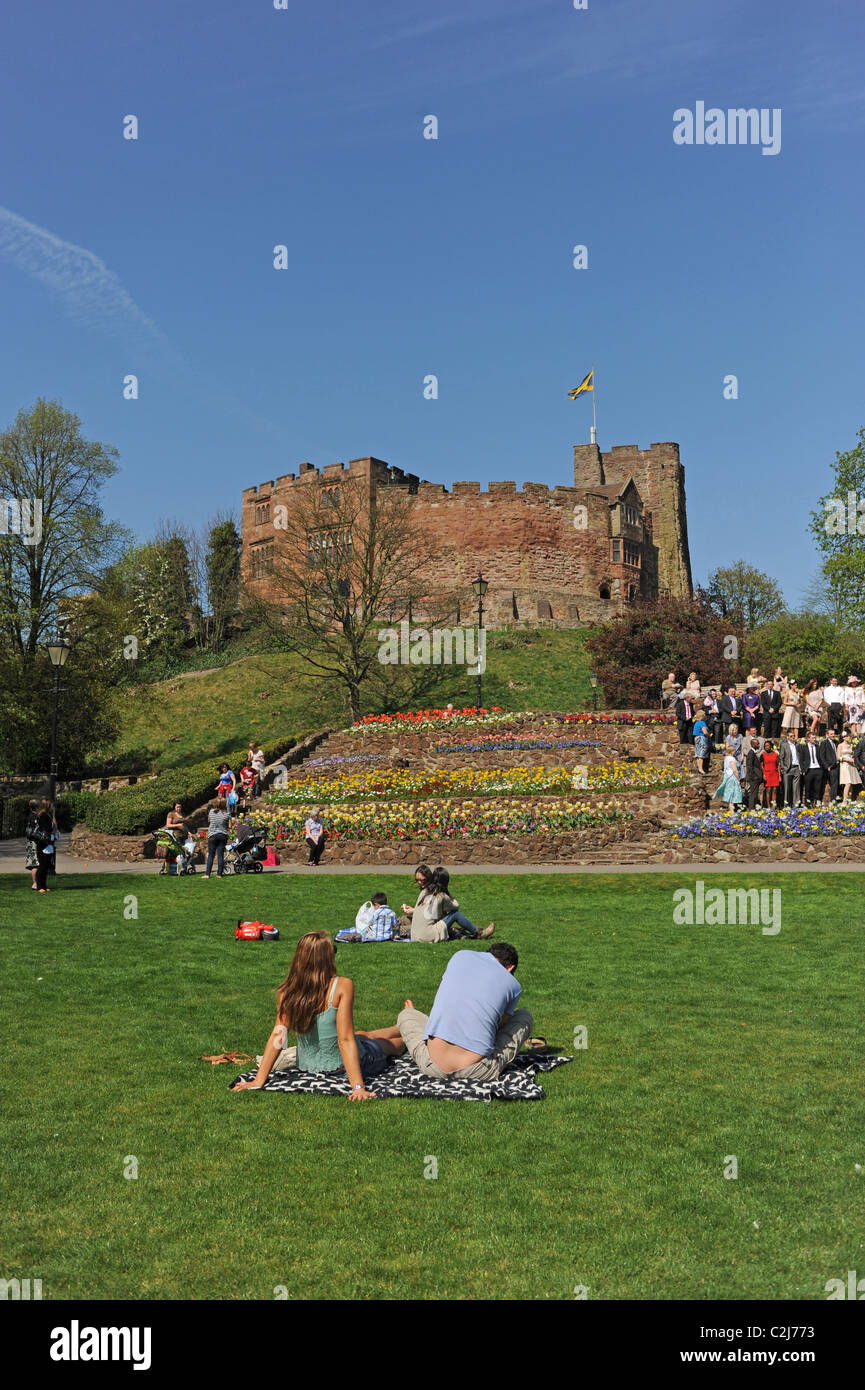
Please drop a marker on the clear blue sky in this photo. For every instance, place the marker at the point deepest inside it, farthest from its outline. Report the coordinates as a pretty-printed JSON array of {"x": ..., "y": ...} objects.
[{"x": 411, "y": 256}]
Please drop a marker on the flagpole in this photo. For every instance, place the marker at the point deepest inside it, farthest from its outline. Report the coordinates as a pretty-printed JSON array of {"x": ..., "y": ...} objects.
[{"x": 594, "y": 410}]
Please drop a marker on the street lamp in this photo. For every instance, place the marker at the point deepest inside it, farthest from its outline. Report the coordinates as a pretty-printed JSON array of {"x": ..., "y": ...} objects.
[
  {"x": 480, "y": 586},
  {"x": 58, "y": 652},
  {"x": 593, "y": 681}
]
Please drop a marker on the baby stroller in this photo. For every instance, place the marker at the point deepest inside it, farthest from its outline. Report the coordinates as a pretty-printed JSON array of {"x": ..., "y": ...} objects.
[
  {"x": 247, "y": 853},
  {"x": 178, "y": 857}
]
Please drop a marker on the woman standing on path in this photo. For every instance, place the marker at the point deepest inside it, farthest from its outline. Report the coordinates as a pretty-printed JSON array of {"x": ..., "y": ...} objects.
[
  {"x": 31, "y": 861},
  {"x": 313, "y": 833},
  {"x": 44, "y": 833},
  {"x": 217, "y": 836},
  {"x": 318, "y": 1006}
]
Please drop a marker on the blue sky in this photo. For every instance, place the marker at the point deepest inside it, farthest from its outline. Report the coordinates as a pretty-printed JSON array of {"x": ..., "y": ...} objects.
[{"x": 409, "y": 256}]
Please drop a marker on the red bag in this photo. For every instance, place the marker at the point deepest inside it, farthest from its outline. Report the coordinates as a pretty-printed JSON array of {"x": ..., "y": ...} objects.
[{"x": 255, "y": 931}]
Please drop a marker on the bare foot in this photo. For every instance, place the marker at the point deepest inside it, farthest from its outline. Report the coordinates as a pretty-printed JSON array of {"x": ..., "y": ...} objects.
[
  {"x": 409, "y": 1004},
  {"x": 487, "y": 931}
]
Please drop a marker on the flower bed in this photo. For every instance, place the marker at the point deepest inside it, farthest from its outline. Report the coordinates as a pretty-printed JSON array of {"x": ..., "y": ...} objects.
[
  {"x": 520, "y": 781},
  {"x": 792, "y": 821},
  {"x": 502, "y": 743},
  {"x": 463, "y": 718},
  {"x": 442, "y": 819}
]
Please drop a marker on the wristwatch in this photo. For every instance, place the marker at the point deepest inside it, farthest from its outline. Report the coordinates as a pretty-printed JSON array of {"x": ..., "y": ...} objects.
[{"x": 361, "y": 1087}]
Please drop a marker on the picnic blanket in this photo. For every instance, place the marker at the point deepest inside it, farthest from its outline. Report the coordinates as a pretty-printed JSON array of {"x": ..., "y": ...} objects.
[{"x": 402, "y": 1078}]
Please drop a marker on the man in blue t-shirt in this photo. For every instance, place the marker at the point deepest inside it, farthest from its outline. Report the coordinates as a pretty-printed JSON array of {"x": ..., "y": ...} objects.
[{"x": 475, "y": 1028}]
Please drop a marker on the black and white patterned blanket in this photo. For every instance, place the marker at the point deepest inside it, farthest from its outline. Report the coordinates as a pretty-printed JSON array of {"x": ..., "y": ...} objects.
[{"x": 402, "y": 1078}]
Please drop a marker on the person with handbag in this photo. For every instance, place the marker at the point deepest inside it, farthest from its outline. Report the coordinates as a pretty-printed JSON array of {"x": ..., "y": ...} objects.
[
  {"x": 31, "y": 860},
  {"x": 43, "y": 835}
]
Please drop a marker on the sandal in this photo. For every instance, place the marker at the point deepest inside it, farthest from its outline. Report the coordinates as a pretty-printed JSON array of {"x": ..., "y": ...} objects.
[{"x": 535, "y": 1044}]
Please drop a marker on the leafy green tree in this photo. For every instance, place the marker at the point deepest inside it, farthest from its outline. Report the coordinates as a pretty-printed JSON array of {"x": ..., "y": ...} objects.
[
  {"x": 59, "y": 542},
  {"x": 838, "y": 528},
  {"x": 222, "y": 567},
  {"x": 744, "y": 594}
]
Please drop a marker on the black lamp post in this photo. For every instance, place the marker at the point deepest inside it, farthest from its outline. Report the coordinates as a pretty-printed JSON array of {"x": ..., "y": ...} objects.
[
  {"x": 480, "y": 586},
  {"x": 593, "y": 681},
  {"x": 58, "y": 652}
]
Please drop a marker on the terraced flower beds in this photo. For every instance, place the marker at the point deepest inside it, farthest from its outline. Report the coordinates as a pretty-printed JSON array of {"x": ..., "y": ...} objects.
[
  {"x": 444, "y": 818},
  {"x": 395, "y": 783},
  {"x": 792, "y": 821}
]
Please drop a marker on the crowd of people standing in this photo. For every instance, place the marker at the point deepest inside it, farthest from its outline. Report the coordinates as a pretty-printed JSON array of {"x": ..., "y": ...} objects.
[{"x": 759, "y": 729}]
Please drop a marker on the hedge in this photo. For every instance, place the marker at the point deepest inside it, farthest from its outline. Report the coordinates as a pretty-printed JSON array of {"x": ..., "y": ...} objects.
[
  {"x": 15, "y": 810},
  {"x": 136, "y": 810}
]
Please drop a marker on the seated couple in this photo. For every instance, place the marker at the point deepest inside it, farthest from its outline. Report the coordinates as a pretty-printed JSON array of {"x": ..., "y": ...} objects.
[
  {"x": 473, "y": 1032},
  {"x": 436, "y": 915}
]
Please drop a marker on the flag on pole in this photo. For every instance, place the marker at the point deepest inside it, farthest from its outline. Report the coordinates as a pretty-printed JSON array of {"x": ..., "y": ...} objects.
[{"x": 587, "y": 384}]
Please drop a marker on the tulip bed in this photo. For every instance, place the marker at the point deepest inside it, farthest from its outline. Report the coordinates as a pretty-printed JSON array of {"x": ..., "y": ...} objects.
[
  {"x": 791, "y": 821},
  {"x": 393, "y": 783},
  {"x": 414, "y": 720},
  {"x": 443, "y": 818}
]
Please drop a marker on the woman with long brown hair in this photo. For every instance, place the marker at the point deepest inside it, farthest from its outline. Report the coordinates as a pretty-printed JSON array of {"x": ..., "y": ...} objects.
[{"x": 317, "y": 1005}]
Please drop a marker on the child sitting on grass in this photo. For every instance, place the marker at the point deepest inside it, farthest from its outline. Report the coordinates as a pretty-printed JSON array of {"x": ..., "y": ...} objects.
[{"x": 381, "y": 924}]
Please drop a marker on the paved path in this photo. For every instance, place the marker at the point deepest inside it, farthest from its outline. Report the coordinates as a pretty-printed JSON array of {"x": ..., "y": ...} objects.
[{"x": 12, "y": 861}]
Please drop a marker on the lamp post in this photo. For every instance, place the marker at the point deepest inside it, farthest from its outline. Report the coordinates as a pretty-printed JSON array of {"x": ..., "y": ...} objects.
[
  {"x": 480, "y": 586},
  {"x": 593, "y": 681},
  {"x": 58, "y": 652}
]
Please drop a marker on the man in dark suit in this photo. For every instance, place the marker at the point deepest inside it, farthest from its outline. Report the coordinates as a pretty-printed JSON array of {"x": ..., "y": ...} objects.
[
  {"x": 859, "y": 760},
  {"x": 813, "y": 771},
  {"x": 790, "y": 769},
  {"x": 684, "y": 711},
  {"x": 827, "y": 752},
  {"x": 753, "y": 769},
  {"x": 731, "y": 710},
  {"x": 770, "y": 703},
  {"x": 712, "y": 716}
]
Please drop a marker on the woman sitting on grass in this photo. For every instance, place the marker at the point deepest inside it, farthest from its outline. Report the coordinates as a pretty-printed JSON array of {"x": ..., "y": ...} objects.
[{"x": 318, "y": 1006}]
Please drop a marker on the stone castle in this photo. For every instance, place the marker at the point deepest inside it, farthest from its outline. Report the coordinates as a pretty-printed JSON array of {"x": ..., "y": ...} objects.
[{"x": 560, "y": 556}]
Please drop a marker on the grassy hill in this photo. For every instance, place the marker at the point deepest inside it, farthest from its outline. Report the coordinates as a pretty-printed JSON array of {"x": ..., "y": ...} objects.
[{"x": 202, "y": 713}]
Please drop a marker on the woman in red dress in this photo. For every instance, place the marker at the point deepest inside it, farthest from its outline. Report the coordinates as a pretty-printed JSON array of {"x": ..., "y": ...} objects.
[{"x": 771, "y": 775}]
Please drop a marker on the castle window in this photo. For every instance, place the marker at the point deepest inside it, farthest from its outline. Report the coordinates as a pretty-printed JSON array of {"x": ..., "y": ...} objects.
[
  {"x": 604, "y": 591},
  {"x": 544, "y": 608},
  {"x": 514, "y": 609},
  {"x": 616, "y": 551},
  {"x": 323, "y": 547},
  {"x": 573, "y": 612},
  {"x": 632, "y": 591},
  {"x": 329, "y": 497},
  {"x": 632, "y": 554}
]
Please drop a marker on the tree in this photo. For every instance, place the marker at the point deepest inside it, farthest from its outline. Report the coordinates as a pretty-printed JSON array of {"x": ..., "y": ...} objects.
[
  {"x": 338, "y": 567},
  {"x": 745, "y": 595},
  {"x": 636, "y": 650},
  {"x": 838, "y": 528},
  {"x": 59, "y": 544},
  {"x": 222, "y": 567}
]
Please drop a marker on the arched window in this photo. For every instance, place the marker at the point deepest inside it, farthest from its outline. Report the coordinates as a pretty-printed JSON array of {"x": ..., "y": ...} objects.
[{"x": 604, "y": 591}]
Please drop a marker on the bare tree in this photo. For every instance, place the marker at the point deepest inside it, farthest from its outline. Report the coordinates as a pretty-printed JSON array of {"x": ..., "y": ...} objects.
[{"x": 338, "y": 566}]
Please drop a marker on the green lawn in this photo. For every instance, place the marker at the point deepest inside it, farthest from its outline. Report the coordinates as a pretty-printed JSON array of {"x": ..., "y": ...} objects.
[
  {"x": 265, "y": 696},
  {"x": 703, "y": 1042}
]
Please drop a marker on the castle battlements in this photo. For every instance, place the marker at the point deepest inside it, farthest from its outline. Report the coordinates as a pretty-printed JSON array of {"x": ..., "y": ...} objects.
[{"x": 564, "y": 554}]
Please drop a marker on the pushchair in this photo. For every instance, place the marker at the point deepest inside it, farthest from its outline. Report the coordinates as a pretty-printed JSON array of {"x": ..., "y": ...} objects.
[
  {"x": 247, "y": 853},
  {"x": 178, "y": 857}
]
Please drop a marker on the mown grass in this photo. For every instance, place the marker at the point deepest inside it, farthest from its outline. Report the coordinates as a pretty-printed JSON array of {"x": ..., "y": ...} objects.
[
  {"x": 703, "y": 1042},
  {"x": 266, "y": 696}
]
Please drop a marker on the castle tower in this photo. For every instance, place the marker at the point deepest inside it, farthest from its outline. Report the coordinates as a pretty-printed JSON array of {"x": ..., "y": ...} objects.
[{"x": 660, "y": 477}]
